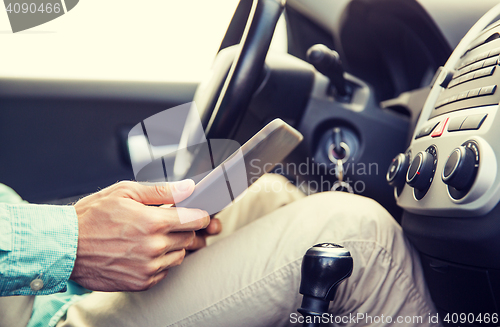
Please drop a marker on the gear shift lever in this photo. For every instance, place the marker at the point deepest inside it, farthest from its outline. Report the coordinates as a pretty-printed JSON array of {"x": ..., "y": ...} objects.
[
  {"x": 328, "y": 63},
  {"x": 324, "y": 267}
]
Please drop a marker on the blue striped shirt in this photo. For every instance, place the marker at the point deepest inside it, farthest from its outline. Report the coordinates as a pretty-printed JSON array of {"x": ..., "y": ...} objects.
[{"x": 36, "y": 242}]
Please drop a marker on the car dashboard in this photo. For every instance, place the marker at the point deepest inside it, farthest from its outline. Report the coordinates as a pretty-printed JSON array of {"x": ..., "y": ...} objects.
[{"x": 447, "y": 180}]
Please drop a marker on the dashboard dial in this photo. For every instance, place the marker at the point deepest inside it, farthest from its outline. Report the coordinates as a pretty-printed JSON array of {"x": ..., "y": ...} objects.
[
  {"x": 460, "y": 170},
  {"x": 396, "y": 173},
  {"x": 421, "y": 171}
]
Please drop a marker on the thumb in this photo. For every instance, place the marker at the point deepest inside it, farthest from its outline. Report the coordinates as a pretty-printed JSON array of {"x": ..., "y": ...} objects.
[{"x": 163, "y": 193}]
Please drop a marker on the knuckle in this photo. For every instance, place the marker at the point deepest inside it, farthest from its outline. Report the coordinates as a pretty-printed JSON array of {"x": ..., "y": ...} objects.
[
  {"x": 140, "y": 285},
  {"x": 153, "y": 219},
  {"x": 180, "y": 257},
  {"x": 160, "y": 277},
  {"x": 202, "y": 221},
  {"x": 147, "y": 284},
  {"x": 124, "y": 188},
  {"x": 188, "y": 240},
  {"x": 198, "y": 224},
  {"x": 151, "y": 282},
  {"x": 179, "y": 261},
  {"x": 123, "y": 185},
  {"x": 162, "y": 189},
  {"x": 151, "y": 226},
  {"x": 205, "y": 220},
  {"x": 157, "y": 248},
  {"x": 111, "y": 202},
  {"x": 151, "y": 269},
  {"x": 167, "y": 222}
]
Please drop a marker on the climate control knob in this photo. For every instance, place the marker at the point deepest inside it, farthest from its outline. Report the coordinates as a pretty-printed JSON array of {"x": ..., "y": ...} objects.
[
  {"x": 397, "y": 170},
  {"x": 460, "y": 168},
  {"x": 421, "y": 171}
]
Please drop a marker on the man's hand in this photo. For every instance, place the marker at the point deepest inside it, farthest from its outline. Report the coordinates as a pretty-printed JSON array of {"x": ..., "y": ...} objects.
[
  {"x": 125, "y": 245},
  {"x": 214, "y": 228}
]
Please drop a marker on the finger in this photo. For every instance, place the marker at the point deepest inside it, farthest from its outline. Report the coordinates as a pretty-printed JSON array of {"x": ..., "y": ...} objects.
[
  {"x": 214, "y": 227},
  {"x": 158, "y": 277},
  {"x": 177, "y": 241},
  {"x": 167, "y": 261},
  {"x": 165, "y": 220},
  {"x": 187, "y": 219},
  {"x": 198, "y": 243},
  {"x": 157, "y": 193},
  {"x": 171, "y": 259}
]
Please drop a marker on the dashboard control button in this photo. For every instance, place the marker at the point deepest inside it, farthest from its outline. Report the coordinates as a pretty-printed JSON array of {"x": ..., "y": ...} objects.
[
  {"x": 465, "y": 63},
  {"x": 494, "y": 52},
  {"x": 476, "y": 66},
  {"x": 462, "y": 95},
  {"x": 484, "y": 72},
  {"x": 456, "y": 123},
  {"x": 427, "y": 130},
  {"x": 473, "y": 93},
  {"x": 420, "y": 173},
  {"x": 473, "y": 122},
  {"x": 490, "y": 62},
  {"x": 482, "y": 56},
  {"x": 467, "y": 77},
  {"x": 453, "y": 83},
  {"x": 488, "y": 90},
  {"x": 459, "y": 168},
  {"x": 397, "y": 170},
  {"x": 453, "y": 98},
  {"x": 465, "y": 66},
  {"x": 468, "y": 62},
  {"x": 462, "y": 71},
  {"x": 440, "y": 129}
]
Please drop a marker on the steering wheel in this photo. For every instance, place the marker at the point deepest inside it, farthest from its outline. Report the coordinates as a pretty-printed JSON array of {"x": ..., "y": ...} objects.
[{"x": 223, "y": 98}]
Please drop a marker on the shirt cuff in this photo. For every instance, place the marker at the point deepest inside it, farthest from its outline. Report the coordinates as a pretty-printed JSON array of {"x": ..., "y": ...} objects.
[{"x": 43, "y": 251}]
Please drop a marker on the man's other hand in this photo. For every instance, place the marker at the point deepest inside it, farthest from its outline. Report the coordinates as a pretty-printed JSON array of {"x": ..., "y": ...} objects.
[
  {"x": 126, "y": 245},
  {"x": 200, "y": 241}
]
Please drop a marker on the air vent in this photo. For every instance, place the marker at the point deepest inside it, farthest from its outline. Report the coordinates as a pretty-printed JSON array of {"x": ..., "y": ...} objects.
[
  {"x": 492, "y": 37},
  {"x": 481, "y": 41}
]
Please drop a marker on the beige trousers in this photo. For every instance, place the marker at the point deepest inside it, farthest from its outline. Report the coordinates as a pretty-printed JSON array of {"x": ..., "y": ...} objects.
[{"x": 250, "y": 275}]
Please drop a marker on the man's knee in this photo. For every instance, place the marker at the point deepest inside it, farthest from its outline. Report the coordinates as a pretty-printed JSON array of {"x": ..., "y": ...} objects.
[
  {"x": 351, "y": 205},
  {"x": 351, "y": 216}
]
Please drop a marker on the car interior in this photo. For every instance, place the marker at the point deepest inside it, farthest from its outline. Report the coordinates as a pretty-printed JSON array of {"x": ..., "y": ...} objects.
[{"x": 402, "y": 94}]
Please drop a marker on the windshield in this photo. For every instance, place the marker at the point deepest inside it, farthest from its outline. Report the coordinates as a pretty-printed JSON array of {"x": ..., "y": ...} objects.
[{"x": 151, "y": 40}]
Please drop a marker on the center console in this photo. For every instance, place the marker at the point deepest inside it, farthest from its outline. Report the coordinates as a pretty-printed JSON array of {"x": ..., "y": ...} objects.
[{"x": 447, "y": 181}]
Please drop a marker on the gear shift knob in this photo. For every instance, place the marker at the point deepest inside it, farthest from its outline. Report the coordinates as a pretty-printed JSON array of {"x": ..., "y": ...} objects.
[
  {"x": 328, "y": 63},
  {"x": 324, "y": 267}
]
